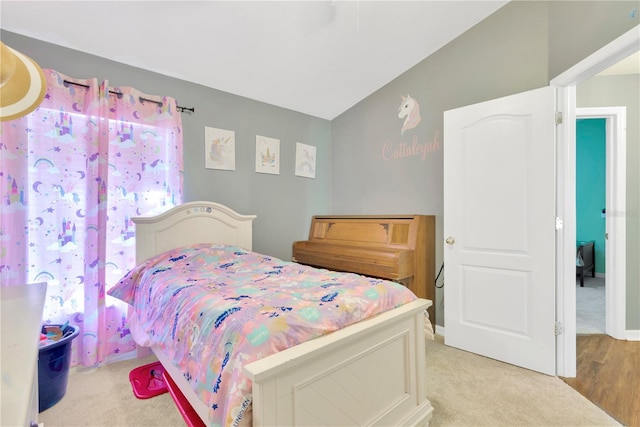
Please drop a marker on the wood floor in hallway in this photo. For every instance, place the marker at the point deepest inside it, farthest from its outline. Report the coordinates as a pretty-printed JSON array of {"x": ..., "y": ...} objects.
[{"x": 608, "y": 374}]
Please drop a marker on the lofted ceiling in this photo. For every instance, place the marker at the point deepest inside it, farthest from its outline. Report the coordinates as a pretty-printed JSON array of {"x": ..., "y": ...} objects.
[{"x": 315, "y": 57}]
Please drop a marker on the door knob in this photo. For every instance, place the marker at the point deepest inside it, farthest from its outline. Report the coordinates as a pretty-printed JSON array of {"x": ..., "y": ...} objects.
[{"x": 450, "y": 240}]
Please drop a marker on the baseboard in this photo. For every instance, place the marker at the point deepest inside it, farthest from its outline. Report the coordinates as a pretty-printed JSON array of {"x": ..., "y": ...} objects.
[
  {"x": 114, "y": 358},
  {"x": 633, "y": 335},
  {"x": 630, "y": 335}
]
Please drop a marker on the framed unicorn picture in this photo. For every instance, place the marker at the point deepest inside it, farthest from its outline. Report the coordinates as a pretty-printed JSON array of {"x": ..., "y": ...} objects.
[
  {"x": 267, "y": 155},
  {"x": 219, "y": 149},
  {"x": 305, "y": 160}
]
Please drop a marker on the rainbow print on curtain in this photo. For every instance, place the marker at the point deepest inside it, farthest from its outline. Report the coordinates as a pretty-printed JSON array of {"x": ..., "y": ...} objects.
[{"x": 73, "y": 173}]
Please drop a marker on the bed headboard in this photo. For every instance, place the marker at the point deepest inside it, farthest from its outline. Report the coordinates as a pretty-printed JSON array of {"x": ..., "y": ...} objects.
[{"x": 189, "y": 223}]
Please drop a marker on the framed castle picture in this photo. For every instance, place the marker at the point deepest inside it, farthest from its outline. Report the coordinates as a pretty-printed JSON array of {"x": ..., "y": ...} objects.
[
  {"x": 219, "y": 149},
  {"x": 267, "y": 155}
]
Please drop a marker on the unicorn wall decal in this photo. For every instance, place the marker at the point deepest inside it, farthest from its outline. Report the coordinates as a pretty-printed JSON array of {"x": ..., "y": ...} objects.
[{"x": 409, "y": 109}]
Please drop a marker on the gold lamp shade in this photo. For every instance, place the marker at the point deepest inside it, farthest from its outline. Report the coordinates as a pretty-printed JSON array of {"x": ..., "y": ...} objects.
[{"x": 22, "y": 84}]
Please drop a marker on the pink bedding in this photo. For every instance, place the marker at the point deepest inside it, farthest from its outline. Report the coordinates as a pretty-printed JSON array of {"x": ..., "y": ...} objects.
[{"x": 215, "y": 308}]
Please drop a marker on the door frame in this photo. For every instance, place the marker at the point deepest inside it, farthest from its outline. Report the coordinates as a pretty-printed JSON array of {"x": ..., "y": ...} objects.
[
  {"x": 616, "y": 227},
  {"x": 565, "y": 84}
]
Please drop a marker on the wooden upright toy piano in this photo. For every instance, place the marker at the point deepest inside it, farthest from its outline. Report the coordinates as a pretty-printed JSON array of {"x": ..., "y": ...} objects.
[{"x": 394, "y": 247}]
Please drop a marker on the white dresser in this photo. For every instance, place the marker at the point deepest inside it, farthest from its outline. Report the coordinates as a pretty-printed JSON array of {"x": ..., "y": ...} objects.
[{"x": 21, "y": 322}]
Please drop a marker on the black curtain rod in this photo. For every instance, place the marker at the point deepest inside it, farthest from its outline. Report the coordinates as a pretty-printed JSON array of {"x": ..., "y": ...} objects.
[{"x": 119, "y": 94}]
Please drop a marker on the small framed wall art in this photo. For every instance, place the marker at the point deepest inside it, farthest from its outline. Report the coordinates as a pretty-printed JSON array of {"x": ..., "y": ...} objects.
[
  {"x": 305, "y": 160},
  {"x": 267, "y": 155},
  {"x": 219, "y": 149}
]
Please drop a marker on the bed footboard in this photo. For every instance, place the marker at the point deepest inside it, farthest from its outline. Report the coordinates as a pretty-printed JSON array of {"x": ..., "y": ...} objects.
[{"x": 372, "y": 373}]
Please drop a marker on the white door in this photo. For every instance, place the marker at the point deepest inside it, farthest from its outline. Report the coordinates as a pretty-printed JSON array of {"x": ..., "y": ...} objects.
[{"x": 499, "y": 226}]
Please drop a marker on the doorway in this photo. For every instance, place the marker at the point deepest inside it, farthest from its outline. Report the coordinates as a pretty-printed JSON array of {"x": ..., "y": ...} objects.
[
  {"x": 615, "y": 202},
  {"x": 615, "y": 51},
  {"x": 564, "y": 284}
]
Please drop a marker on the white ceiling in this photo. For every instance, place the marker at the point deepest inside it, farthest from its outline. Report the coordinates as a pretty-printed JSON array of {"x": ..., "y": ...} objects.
[{"x": 315, "y": 57}]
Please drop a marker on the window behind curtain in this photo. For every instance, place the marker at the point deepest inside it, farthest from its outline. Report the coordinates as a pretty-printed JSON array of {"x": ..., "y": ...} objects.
[{"x": 74, "y": 172}]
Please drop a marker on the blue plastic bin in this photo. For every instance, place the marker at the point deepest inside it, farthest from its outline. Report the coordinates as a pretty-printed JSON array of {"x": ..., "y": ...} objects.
[{"x": 53, "y": 368}]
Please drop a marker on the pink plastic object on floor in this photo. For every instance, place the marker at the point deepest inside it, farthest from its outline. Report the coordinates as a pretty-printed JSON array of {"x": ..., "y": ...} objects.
[{"x": 148, "y": 380}]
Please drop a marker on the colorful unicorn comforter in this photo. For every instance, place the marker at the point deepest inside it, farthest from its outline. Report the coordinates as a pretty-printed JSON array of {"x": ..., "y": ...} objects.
[{"x": 215, "y": 308}]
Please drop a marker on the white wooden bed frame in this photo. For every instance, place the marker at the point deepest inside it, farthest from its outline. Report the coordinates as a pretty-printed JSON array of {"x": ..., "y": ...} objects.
[{"x": 370, "y": 373}]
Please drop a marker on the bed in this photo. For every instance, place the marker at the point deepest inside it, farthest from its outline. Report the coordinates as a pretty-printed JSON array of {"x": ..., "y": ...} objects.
[{"x": 371, "y": 372}]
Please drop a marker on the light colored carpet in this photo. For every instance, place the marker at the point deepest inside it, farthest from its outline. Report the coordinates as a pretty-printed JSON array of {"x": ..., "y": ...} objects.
[
  {"x": 590, "y": 306},
  {"x": 104, "y": 397},
  {"x": 465, "y": 390},
  {"x": 470, "y": 390}
]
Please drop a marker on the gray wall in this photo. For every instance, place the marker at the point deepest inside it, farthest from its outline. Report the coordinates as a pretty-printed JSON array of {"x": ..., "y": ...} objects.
[
  {"x": 283, "y": 203},
  {"x": 579, "y": 28},
  {"x": 624, "y": 91},
  {"x": 522, "y": 46}
]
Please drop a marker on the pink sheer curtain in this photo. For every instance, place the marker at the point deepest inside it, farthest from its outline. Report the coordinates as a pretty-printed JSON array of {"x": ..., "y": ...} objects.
[{"x": 74, "y": 172}]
